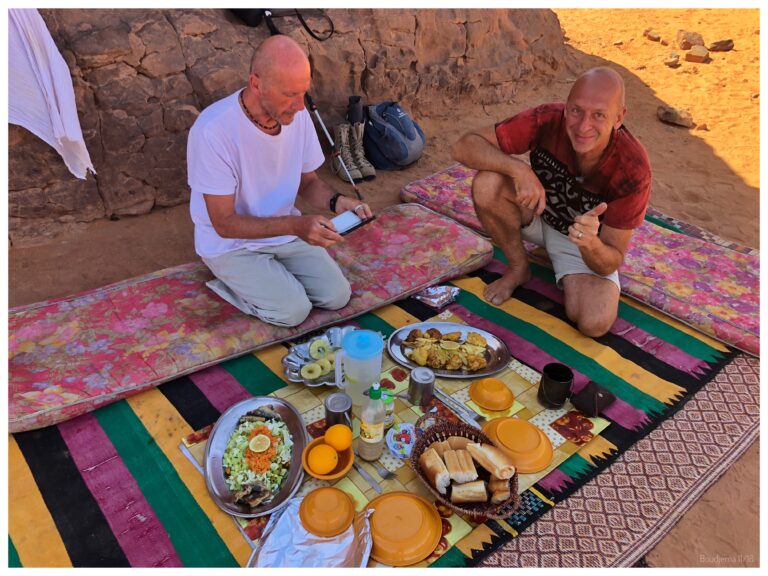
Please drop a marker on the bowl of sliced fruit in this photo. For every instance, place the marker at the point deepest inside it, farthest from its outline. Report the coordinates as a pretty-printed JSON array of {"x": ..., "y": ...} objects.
[{"x": 313, "y": 362}]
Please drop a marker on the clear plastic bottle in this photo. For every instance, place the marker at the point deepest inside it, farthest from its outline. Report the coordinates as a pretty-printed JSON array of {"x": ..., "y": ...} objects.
[
  {"x": 371, "y": 441},
  {"x": 389, "y": 410}
]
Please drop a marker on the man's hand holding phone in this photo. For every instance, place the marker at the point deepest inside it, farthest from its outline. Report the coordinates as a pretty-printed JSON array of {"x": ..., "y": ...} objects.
[{"x": 348, "y": 221}]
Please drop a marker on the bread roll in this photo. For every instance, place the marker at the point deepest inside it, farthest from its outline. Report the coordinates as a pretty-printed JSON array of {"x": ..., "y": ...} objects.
[
  {"x": 498, "y": 496},
  {"x": 469, "y": 492},
  {"x": 458, "y": 442},
  {"x": 460, "y": 466},
  {"x": 440, "y": 447},
  {"x": 435, "y": 471},
  {"x": 466, "y": 463},
  {"x": 497, "y": 484},
  {"x": 492, "y": 459}
]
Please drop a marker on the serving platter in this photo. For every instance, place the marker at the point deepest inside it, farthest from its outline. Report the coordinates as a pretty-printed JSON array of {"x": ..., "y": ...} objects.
[
  {"x": 299, "y": 355},
  {"x": 497, "y": 354},
  {"x": 217, "y": 443}
]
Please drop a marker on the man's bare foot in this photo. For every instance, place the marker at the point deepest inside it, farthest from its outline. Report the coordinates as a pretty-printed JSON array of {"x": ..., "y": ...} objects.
[{"x": 499, "y": 291}]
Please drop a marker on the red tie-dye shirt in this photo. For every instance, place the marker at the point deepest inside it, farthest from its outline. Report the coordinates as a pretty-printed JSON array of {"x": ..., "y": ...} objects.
[{"x": 622, "y": 177}]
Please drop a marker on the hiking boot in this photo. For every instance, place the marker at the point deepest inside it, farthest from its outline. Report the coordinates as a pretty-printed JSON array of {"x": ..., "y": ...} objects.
[
  {"x": 355, "y": 110},
  {"x": 356, "y": 133},
  {"x": 342, "y": 150}
]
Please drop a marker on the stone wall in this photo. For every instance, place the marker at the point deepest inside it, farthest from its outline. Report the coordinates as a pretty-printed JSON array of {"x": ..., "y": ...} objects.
[{"x": 142, "y": 76}]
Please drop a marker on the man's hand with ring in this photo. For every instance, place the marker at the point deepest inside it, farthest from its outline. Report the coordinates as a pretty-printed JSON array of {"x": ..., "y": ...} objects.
[
  {"x": 585, "y": 226},
  {"x": 361, "y": 209}
]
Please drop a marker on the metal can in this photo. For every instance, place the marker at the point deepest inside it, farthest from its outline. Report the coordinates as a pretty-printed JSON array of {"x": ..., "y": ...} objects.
[
  {"x": 338, "y": 409},
  {"x": 421, "y": 384}
]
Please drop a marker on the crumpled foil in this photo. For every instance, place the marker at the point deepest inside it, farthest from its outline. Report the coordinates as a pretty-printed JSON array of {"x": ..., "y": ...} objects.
[
  {"x": 286, "y": 543},
  {"x": 437, "y": 297}
]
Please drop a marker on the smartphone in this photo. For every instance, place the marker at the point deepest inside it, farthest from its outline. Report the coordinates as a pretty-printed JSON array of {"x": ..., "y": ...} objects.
[{"x": 348, "y": 221}]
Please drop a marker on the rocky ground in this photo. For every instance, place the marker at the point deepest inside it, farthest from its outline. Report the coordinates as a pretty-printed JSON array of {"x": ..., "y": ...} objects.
[{"x": 707, "y": 175}]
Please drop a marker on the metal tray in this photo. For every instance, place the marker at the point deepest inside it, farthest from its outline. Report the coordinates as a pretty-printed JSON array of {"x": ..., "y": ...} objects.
[
  {"x": 497, "y": 354},
  {"x": 298, "y": 356},
  {"x": 217, "y": 442}
]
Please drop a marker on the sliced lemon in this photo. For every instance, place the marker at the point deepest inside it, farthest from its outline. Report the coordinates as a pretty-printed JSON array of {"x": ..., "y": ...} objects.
[
  {"x": 476, "y": 350},
  {"x": 259, "y": 443},
  {"x": 449, "y": 345}
]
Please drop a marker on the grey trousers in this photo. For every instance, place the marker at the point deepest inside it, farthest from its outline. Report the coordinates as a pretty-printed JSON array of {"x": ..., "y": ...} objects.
[{"x": 280, "y": 284}]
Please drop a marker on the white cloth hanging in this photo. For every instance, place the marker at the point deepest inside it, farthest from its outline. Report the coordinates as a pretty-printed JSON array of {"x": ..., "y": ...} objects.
[{"x": 40, "y": 93}]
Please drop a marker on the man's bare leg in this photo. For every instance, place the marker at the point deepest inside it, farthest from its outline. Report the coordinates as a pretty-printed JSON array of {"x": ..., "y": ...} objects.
[
  {"x": 591, "y": 302},
  {"x": 493, "y": 195}
]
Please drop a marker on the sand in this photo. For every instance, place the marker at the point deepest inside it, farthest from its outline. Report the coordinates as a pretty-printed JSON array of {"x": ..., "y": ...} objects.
[{"x": 709, "y": 177}]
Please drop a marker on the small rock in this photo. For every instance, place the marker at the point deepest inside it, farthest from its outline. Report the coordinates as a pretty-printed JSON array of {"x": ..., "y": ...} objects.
[
  {"x": 618, "y": 42},
  {"x": 664, "y": 43},
  {"x": 755, "y": 95},
  {"x": 697, "y": 54},
  {"x": 652, "y": 35},
  {"x": 640, "y": 67},
  {"x": 670, "y": 115},
  {"x": 685, "y": 39},
  {"x": 702, "y": 127},
  {"x": 673, "y": 60},
  {"x": 721, "y": 46}
]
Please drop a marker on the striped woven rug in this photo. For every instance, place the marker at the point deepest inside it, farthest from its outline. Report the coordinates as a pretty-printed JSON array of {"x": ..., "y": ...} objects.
[{"x": 112, "y": 487}]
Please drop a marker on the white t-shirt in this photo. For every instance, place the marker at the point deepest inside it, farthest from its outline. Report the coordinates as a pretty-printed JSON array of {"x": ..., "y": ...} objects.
[{"x": 227, "y": 154}]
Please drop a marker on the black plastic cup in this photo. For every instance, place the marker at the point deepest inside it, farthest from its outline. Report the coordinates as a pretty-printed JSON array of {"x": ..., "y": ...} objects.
[{"x": 555, "y": 385}]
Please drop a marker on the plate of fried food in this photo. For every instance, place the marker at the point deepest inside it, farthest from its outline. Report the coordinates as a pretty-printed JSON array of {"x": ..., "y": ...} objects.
[
  {"x": 451, "y": 350},
  {"x": 253, "y": 457}
]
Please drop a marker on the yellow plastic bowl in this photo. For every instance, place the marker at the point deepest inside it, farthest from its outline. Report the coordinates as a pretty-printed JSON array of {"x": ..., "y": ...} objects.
[
  {"x": 528, "y": 447},
  {"x": 491, "y": 394}
]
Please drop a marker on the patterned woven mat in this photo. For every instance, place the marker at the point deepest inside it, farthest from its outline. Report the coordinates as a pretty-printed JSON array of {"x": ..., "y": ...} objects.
[
  {"x": 112, "y": 488},
  {"x": 618, "y": 517}
]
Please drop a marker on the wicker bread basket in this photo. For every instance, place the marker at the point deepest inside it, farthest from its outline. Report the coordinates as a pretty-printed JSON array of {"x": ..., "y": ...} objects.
[{"x": 442, "y": 430}]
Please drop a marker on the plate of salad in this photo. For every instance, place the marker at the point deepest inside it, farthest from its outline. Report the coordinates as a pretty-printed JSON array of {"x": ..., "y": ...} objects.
[{"x": 250, "y": 468}]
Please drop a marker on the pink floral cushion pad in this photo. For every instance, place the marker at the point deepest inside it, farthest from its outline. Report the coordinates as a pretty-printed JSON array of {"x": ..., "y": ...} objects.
[
  {"x": 703, "y": 281},
  {"x": 74, "y": 354}
]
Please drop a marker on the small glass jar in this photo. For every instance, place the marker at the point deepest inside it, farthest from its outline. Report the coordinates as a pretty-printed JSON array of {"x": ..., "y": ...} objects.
[{"x": 389, "y": 410}]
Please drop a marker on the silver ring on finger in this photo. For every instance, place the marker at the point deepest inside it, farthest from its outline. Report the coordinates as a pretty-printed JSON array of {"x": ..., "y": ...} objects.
[
  {"x": 356, "y": 208},
  {"x": 581, "y": 235}
]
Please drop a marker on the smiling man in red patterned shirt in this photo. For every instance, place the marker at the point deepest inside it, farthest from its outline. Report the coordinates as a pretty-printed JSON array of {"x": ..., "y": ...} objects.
[{"x": 584, "y": 193}]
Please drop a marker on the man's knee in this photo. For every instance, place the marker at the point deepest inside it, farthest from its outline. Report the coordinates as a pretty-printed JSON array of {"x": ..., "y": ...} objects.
[
  {"x": 486, "y": 188},
  {"x": 591, "y": 321},
  {"x": 293, "y": 312},
  {"x": 595, "y": 327},
  {"x": 590, "y": 304},
  {"x": 338, "y": 298}
]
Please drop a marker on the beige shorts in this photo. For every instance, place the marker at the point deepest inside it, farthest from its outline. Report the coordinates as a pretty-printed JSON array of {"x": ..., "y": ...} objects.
[{"x": 564, "y": 254}]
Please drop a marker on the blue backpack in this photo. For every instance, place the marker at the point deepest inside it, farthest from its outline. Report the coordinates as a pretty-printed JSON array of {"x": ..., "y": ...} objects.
[{"x": 392, "y": 140}]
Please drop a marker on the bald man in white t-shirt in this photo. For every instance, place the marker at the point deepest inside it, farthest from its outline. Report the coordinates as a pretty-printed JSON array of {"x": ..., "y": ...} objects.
[{"x": 248, "y": 156}]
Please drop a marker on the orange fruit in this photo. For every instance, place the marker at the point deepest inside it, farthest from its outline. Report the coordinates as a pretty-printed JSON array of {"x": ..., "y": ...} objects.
[
  {"x": 322, "y": 459},
  {"x": 339, "y": 436}
]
